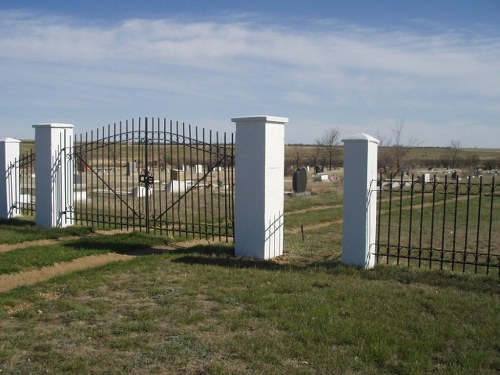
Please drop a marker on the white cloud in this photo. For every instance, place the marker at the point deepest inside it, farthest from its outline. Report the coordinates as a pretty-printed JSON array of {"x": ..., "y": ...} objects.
[{"x": 328, "y": 74}]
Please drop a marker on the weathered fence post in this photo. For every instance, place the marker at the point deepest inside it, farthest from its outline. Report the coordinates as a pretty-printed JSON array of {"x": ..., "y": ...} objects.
[
  {"x": 360, "y": 200},
  {"x": 259, "y": 205},
  {"x": 54, "y": 175},
  {"x": 9, "y": 179}
]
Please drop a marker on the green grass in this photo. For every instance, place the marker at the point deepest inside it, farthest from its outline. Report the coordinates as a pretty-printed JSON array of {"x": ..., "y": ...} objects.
[
  {"x": 24, "y": 229},
  {"x": 36, "y": 257},
  {"x": 203, "y": 311}
]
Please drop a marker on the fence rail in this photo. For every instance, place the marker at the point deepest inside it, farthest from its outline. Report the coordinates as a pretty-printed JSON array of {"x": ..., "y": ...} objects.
[{"x": 447, "y": 223}]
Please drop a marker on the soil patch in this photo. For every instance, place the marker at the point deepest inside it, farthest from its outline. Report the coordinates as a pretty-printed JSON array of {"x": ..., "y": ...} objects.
[
  {"x": 11, "y": 281},
  {"x": 21, "y": 245}
]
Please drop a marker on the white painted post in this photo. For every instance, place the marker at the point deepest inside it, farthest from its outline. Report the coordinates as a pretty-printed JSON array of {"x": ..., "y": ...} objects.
[
  {"x": 360, "y": 200},
  {"x": 259, "y": 205},
  {"x": 54, "y": 175},
  {"x": 9, "y": 179}
]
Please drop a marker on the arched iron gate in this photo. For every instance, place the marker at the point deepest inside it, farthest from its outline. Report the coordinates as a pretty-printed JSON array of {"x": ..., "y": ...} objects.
[{"x": 157, "y": 176}]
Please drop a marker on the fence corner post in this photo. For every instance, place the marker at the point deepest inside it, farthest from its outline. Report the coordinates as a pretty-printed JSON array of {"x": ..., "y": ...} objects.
[
  {"x": 259, "y": 202},
  {"x": 9, "y": 179},
  {"x": 360, "y": 200},
  {"x": 54, "y": 175}
]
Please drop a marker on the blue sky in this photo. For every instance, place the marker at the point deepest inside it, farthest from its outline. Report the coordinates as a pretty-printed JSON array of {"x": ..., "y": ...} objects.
[{"x": 361, "y": 66}]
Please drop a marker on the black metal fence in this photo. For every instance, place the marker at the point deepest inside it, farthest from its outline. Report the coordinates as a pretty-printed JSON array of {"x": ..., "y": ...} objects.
[
  {"x": 444, "y": 223},
  {"x": 156, "y": 176},
  {"x": 21, "y": 180}
]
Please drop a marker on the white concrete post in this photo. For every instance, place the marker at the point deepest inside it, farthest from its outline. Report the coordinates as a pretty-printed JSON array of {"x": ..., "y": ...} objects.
[
  {"x": 259, "y": 205},
  {"x": 360, "y": 200},
  {"x": 54, "y": 175},
  {"x": 9, "y": 179}
]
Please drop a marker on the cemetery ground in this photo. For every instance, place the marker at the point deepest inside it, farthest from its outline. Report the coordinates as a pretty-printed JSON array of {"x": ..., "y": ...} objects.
[{"x": 165, "y": 307}]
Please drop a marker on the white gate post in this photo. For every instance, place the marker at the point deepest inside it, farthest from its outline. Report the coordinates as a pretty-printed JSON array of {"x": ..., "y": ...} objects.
[
  {"x": 360, "y": 200},
  {"x": 9, "y": 179},
  {"x": 54, "y": 175},
  {"x": 259, "y": 205}
]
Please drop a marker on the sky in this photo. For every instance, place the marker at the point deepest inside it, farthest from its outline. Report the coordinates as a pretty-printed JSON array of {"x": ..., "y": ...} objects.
[{"x": 359, "y": 66}]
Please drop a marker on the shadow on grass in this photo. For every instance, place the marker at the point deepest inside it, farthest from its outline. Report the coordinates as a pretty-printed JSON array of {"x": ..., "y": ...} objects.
[
  {"x": 122, "y": 243},
  {"x": 18, "y": 222},
  {"x": 212, "y": 255},
  {"x": 466, "y": 282},
  {"x": 27, "y": 230},
  {"x": 223, "y": 256}
]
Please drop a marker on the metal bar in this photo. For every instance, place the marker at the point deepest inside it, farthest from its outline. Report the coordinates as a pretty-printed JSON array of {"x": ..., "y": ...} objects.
[
  {"x": 205, "y": 190},
  {"x": 211, "y": 185},
  {"x": 198, "y": 177},
  {"x": 179, "y": 174},
  {"x": 444, "y": 221},
  {"x": 422, "y": 198},
  {"x": 87, "y": 180},
  {"x": 163, "y": 160},
  {"x": 155, "y": 135},
  {"x": 98, "y": 218},
  {"x": 379, "y": 213},
  {"x": 476, "y": 255},
  {"x": 493, "y": 186},
  {"x": 232, "y": 183},
  {"x": 135, "y": 139},
  {"x": 400, "y": 216},
  {"x": 389, "y": 219},
  {"x": 185, "y": 175},
  {"x": 411, "y": 219},
  {"x": 171, "y": 180},
  {"x": 226, "y": 200},
  {"x": 146, "y": 173},
  {"x": 114, "y": 175},
  {"x": 218, "y": 191},
  {"x": 132, "y": 166},
  {"x": 457, "y": 187},
  {"x": 191, "y": 176},
  {"x": 466, "y": 237},
  {"x": 108, "y": 158},
  {"x": 120, "y": 169},
  {"x": 433, "y": 210}
]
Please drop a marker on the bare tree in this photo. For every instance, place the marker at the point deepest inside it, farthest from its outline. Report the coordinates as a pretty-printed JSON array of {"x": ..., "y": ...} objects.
[
  {"x": 330, "y": 141},
  {"x": 393, "y": 153},
  {"x": 454, "y": 151}
]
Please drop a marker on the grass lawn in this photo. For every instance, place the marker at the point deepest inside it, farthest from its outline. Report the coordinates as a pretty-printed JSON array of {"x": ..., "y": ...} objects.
[{"x": 203, "y": 311}]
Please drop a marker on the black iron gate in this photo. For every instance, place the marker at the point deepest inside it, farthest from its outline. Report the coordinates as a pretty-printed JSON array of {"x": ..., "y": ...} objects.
[
  {"x": 21, "y": 183},
  {"x": 157, "y": 176}
]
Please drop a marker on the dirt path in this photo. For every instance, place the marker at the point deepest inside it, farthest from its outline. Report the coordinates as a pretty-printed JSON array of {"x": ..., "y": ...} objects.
[
  {"x": 21, "y": 245},
  {"x": 312, "y": 227},
  {"x": 12, "y": 281}
]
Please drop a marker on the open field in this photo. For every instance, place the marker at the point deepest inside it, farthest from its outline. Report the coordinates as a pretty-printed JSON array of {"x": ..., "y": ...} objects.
[
  {"x": 422, "y": 155},
  {"x": 198, "y": 309}
]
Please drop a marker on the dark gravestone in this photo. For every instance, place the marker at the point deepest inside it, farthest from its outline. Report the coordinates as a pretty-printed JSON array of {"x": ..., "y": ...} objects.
[
  {"x": 319, "y": 169},
  {"x": 299, "y": 180}
]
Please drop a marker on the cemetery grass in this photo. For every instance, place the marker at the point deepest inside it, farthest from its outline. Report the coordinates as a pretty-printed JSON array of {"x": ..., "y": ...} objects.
[
  {"x": 202, "y": 310},
  {"x": 24, "y": 229}
]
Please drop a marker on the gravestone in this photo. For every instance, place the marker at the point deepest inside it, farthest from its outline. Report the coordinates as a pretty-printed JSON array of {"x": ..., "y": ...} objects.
[
  {"x": 319, "y": 169},
  {"x": 131, "y": 167},
  {"x": 299, "y": 180},
  {"x": 178, "y": 175}
]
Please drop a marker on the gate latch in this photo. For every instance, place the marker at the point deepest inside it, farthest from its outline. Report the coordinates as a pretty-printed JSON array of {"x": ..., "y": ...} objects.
[{"x": 146, "y": 179}]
